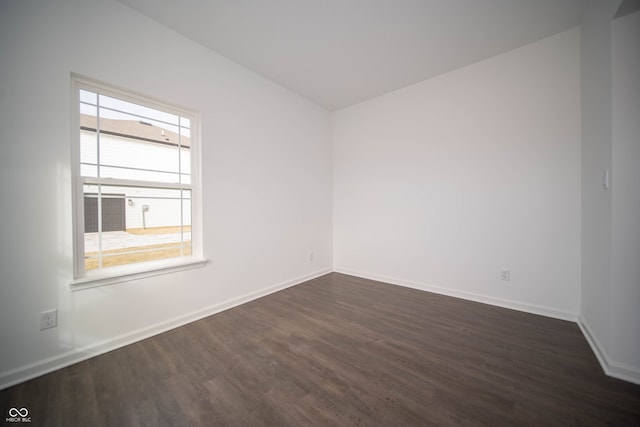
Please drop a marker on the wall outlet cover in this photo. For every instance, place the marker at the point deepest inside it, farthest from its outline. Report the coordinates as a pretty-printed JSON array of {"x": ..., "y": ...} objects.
[{"x": 48, "y": 319}]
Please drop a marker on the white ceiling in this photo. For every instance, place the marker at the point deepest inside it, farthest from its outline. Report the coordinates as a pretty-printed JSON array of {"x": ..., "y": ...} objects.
[{"x": 340, "y": 52}]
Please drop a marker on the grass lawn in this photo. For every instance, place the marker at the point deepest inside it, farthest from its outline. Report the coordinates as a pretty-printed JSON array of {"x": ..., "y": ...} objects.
[
  {"x": 124, "y": 256},
  {"x": 158, "y": 230}
]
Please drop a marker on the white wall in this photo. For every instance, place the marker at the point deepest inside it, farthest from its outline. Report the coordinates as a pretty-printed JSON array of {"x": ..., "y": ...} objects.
[
  {"x": 266, "y": 173},
  {"x": 625, "y": 194},
  {"x": 596, "y": 159},
  {"x": 441, "y": 184},
  {"x": 611, "y": 229}
]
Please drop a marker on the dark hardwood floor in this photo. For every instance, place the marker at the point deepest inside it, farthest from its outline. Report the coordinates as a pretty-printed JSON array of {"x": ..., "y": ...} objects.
[{"x": 340, "y": 350}]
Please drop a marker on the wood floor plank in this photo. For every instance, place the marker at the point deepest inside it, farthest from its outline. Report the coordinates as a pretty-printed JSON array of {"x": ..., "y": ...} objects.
[{"x": 341, "y": 350}]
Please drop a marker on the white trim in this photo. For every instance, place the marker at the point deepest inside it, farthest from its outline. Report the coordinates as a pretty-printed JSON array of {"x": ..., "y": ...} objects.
[
  {"x": 513, "y": 305},
  {"x": 610, "y": 367},
  {"x": 41, "y": 367},
  {"x": 76, "y": 204},
  {"x": 93, "y": 279}
]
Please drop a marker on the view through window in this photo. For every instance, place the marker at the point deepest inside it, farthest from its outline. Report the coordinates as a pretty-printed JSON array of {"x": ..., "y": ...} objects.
[{"x": 135, "y": 172}]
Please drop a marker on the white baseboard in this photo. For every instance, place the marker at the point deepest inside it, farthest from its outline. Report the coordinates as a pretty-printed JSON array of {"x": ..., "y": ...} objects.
[
  {"x": 610, "y": 367},
  {"x": 45, "y": 366},
  {"x": 27, "y": 372},
  {"x": 514, "y": 305}
]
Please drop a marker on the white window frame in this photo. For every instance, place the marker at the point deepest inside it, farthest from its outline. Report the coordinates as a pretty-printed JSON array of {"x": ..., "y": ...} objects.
[{"x": 82, "y": 278}]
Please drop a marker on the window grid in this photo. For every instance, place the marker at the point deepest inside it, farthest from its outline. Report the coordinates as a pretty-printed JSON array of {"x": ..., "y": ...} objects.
[{"x": 101, "y": 180}]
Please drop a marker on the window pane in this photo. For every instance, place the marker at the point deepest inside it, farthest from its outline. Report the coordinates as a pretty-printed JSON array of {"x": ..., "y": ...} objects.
[
  {"x": 114, "y": 105},
  {"x": 88, "y": 114},
  {"x": 119, "y": 118},
  {"x": 139, "y": 150},
  {"x": 88, "y": 97},
  {"x": 133, "y": 224},
  {"x": 141, "y": 175},
  {"x": 185, "y": 165},
  {"x": 147, "y": 253},
  {"x": 186, "y": 210},
  {"x": 88, "y": 170},
  {"x": 125, "y": 141},
  {"x": 88, "y": 153},
  {"x": 185, "y": 133},
  {"x": 136, "y": 150}
]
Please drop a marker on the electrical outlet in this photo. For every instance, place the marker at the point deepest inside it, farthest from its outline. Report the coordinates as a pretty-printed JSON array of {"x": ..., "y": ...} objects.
[
  {"x": 505, "y": 275},
  {"x": 48, "y": 319}
]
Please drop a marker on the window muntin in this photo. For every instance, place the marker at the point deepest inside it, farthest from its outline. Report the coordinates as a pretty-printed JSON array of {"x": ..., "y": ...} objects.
[{"x": 135, "y": 176}]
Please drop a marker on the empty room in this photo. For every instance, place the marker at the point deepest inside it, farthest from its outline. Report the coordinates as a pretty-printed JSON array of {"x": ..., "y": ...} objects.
[{"x": 339, "y": 212}]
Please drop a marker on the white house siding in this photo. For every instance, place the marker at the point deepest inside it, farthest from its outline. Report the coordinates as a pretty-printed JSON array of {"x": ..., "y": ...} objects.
[{"x": 133, "y": 153}]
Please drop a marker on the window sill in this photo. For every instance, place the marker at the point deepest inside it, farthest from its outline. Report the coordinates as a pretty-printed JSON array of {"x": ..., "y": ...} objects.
[{"x": 127, "y": 273}]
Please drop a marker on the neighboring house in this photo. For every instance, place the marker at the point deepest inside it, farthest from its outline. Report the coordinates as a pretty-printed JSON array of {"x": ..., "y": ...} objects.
[{"x": 144, "y": 151}]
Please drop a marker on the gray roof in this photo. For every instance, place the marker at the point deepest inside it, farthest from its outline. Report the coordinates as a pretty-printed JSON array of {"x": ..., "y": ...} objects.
[{"x": 133, "y": 129}]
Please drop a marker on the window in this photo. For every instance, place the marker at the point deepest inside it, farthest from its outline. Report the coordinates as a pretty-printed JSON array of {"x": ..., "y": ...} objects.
[{"x": 136, "y": 186}]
